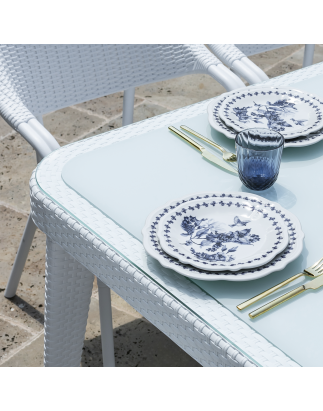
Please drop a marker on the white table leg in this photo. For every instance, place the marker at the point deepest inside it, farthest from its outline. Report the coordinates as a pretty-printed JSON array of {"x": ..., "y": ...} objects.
[
  {"x": 128, "y": 102},
  {"x": 67, "y": 299},
  {"x": 308, "y": 55},
  {"x": 106, "y": 325}
]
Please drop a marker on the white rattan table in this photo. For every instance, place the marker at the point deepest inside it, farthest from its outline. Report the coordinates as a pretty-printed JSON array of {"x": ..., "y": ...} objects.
[{"x": 91, "y": 233}]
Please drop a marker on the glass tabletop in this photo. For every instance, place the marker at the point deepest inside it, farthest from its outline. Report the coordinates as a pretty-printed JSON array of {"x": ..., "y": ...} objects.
[{"x": 129, "y": 179}]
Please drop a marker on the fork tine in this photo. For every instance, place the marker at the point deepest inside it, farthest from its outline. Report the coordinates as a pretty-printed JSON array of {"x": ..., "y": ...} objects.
[
  {"x": 318, "y": 267},
  {"x": 317, "y": 263}
]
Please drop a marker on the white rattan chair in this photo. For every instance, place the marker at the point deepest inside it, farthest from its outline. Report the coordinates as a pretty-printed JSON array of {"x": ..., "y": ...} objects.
[
  {"x": 38, "y": 79},
  {"x": 235, "y": 57}
]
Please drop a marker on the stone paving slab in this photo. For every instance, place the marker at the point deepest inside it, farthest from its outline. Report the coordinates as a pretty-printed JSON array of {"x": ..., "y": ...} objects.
[
  {"x": 11, "y": 337},
  {"x": 107, "y": 106},
  {"x": 141, "y": 112},
  {"x": 283, "y": 67},
  {"x": 69, "y": 124},
  {"x": 18, "y": 160},
  {"x": 297, "y": 57},
  {"x": 27, "y": 307},
  {"x": 270, "y": 58},
  {"x": 182, "y": 91},
  {"x": 31, "y": 355},
  {"x": 5, "y": 129},
  {"x": 137, "y": 342}
]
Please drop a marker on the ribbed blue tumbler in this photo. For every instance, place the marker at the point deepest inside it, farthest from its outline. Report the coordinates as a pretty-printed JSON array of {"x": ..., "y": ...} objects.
[{"x": 259, "y": 152}]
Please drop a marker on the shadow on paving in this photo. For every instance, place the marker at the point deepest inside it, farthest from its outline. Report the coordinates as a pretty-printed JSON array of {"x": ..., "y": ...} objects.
[
  {"x": 138, "y": 344},
  {"x": 27, "y": 308}
]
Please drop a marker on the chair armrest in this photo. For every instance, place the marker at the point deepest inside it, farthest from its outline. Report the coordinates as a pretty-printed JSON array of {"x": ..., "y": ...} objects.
[
  {"x": 225, "y": 77},
  {"x": 44, "y": 133},
  {"x": 17, "y": 115},
  {"x": 230, "y": 55},
  {"x": 206, "y": 62},
  {"x": 34, "y": 139}
]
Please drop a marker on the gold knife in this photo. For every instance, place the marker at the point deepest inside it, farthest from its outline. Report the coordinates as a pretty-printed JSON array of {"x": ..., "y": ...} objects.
[
  {"x": 311, "y": 285},
  {"x": 206, "y": 154}
]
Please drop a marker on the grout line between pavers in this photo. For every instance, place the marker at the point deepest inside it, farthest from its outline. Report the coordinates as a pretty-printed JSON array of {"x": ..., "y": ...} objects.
[
  {"x": 88, "y": 112},
  {"x": 87, "y": 132},
  {"x": 102, "y": 117},
  {"x": 8, "y": 135},
  {"x": 21, "y": 347},
  {"x": 117, "y": 116},
  {"x": 157, "y": 103},
  {"x": 108, "y": 119},
  {"x": 15, "y": 323},
  {"x": 17, "y": 210},
  {"x": 285, "y": 58}
]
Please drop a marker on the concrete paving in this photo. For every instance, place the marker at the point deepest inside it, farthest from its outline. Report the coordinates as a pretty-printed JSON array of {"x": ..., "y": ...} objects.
[{"x": 137, "y": 342}]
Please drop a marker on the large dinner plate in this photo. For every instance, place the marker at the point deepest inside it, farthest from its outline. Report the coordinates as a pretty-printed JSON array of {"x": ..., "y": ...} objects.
[
  {"x": 222, "y": 234},
  {"x": 291, "y": 252},
  {"x": 219, "y": 125},
  {"x": 292, "y": 113}
]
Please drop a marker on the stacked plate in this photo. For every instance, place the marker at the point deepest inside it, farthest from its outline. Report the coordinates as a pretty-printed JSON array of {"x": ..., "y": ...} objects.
[
  {"x": 223, "y": 236},
  {"x": 298, "y": 116}
]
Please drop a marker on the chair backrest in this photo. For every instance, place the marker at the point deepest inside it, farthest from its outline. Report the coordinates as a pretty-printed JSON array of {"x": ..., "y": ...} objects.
[
  {"x": 251, "y": 49},
  {"x": 49, "y": 77}
]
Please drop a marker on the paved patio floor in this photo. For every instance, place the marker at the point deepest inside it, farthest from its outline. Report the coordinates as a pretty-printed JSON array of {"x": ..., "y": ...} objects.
[{"x": 137, "y": 342}]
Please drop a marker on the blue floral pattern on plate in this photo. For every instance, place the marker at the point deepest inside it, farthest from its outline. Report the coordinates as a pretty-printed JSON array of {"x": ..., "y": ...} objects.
[
  {"x": 269, "y": 114},
  {"x": 291, "y": 252},
  {"x": 292, "y": 113},
  {"x": 219, "y": 125},
  {"x": 212, "y": 244},
  {"x": 203, "y": 233}
]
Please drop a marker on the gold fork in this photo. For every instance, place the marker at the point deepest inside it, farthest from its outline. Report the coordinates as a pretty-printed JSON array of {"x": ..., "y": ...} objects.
[
  {"x": 227, "y": 156},
  {"x": 314, "y": 270}
]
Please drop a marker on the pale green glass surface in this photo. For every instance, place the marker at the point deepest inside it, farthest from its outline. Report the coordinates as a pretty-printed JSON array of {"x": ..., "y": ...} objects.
[{"x": 129, "y": 179}]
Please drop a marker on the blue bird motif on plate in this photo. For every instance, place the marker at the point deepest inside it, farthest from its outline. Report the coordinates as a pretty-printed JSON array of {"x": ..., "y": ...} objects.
[
  {"x": 204, "y": 233},
  {"x": 239, "y": 222}
]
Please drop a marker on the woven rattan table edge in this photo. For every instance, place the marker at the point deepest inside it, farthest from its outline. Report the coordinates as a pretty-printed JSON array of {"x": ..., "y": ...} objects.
[
  {"x": 227, "y": 355},
  {"x": 280, "y": 358}
]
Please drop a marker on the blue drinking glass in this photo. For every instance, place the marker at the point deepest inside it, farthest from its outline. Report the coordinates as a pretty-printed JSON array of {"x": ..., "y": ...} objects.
[{"x": 259, "y": 152}]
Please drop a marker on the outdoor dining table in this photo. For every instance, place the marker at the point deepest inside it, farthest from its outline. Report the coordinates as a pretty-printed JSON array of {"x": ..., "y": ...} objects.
[{"x": 92, "y": 198}]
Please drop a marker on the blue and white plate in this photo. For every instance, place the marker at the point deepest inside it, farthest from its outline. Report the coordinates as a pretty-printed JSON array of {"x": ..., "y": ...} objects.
[
  {"x": 279, "y": 262},
  {"x": 292, "y": 113},
  {"x": 216, "y": 234},
  {"x": 219, "y": 125}
]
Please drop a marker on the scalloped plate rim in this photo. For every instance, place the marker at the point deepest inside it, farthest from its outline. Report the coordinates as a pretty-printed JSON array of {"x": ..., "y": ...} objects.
[
  {"x": 244, "y": 266},
  {"x": 280, "y": 90},
  {"x": 215, "y": 276},
  {"x": 301, "y": 141}
]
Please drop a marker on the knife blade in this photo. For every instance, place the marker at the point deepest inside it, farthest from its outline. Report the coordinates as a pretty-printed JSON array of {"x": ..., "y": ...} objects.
[
  {"x": 214, "y": 159},
  {"x": 206, "y": 154},
  {"x": 314, "y": 284}
]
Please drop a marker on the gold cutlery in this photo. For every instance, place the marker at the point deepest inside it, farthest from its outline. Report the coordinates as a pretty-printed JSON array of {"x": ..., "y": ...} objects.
[
  {"x": 227, "y": 156},
  {"x": 206, "y": 154},
  {"x": 314, "y": 270},
  {"x": 311, "y": 285}
]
